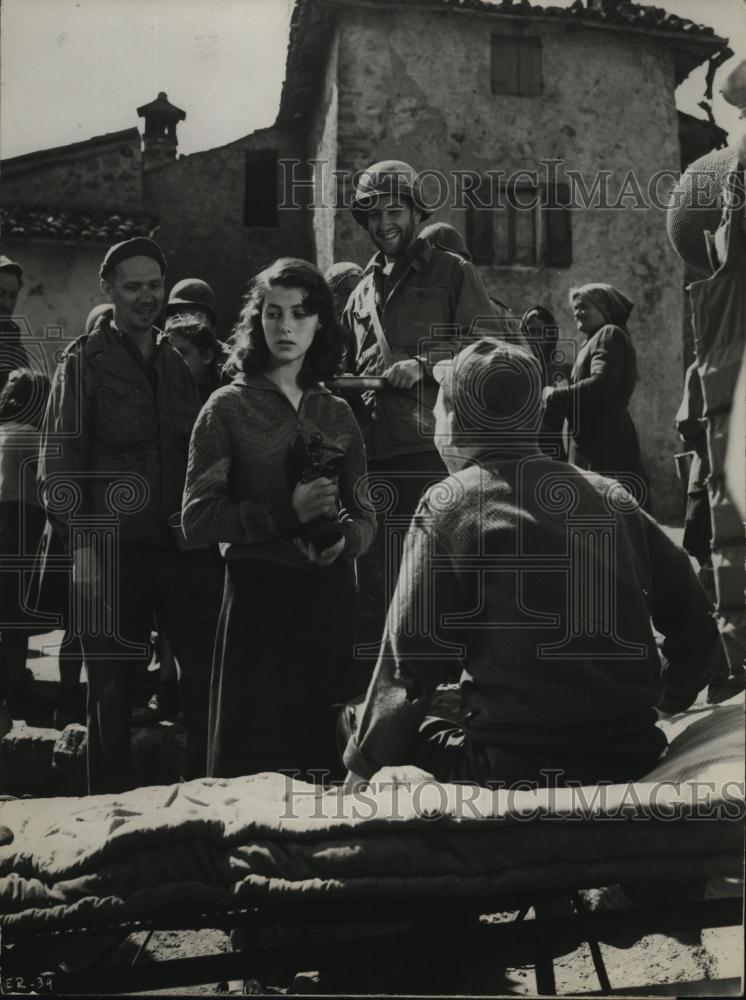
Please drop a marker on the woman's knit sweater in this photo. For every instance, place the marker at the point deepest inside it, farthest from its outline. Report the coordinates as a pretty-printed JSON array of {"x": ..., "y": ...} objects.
[{"x": 240, "y": 477}]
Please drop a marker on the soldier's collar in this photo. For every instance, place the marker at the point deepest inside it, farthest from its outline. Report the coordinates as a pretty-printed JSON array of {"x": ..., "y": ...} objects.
[{"x": 417, "y": 255}]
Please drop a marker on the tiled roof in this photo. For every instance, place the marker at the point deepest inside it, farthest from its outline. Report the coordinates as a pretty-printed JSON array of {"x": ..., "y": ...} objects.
[
  {"x": 692, "y": 43},
  {"x": 39, "y": 223}
]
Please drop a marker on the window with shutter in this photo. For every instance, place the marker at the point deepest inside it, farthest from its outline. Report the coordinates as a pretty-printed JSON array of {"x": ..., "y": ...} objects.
[
  {"x": 516, "y": 65},
  {"x": 527, "y": 227},
  {"x": 260, "y": 188},
  {"x": 479, "y": 223},
  {"x": 557, "y": 226}
]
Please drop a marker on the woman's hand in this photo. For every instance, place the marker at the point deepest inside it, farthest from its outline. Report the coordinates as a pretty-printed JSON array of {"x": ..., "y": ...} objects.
[
  {"x": 325, "y": 558},
  {"x": 315, "y": 499}
]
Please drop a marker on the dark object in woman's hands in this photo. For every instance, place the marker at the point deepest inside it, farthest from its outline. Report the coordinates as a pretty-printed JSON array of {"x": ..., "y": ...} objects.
[{"x": 313, "y": 459}]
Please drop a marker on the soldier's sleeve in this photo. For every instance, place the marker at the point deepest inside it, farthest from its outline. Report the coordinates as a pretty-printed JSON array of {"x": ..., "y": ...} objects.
[
  {"x": 682, "y": 613},
  {"x": 349, "y": 361},
  {"x": 65, "y": 450}
]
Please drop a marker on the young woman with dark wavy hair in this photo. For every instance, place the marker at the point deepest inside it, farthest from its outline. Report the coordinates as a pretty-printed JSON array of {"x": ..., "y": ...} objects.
[{"x": 275, "y": 476}]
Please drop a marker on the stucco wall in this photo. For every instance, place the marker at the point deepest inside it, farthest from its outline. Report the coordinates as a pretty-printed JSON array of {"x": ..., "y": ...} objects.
[
  {"x": 60, "y": 287},
  {"x": 322, "y": 147},
  {"x": 608, "y": 103},
  {"x": 107, "y": 179},
  {"x": 199, "y": 200}
]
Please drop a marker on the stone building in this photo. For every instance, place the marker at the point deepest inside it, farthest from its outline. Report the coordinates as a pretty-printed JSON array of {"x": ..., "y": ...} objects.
[
  {"x": 467, "y": 85},
  {"x": 215, "y": 213},
  {"x": 507, "y": 102}
]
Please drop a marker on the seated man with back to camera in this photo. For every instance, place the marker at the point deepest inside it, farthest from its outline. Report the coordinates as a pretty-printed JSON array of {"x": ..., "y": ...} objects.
[{"x": 506, "y": 571}]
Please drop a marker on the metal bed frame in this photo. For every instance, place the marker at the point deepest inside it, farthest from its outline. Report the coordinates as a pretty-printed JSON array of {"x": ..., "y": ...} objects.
[{"x": 451, "y": 925}]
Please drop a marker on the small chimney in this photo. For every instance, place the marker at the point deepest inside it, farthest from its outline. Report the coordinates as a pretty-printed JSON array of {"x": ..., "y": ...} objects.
[{"x": 160, "y": 140}]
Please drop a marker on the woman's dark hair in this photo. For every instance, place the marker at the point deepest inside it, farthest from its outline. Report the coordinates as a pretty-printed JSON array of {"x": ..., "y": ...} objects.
[
  {"x": 198, "y": 333},
  {"x": 250, "y": 353},
  {"x": 24, "y": 397}
]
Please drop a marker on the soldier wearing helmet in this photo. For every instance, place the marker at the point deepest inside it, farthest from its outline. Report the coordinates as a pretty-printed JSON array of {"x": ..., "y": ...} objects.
[
  {"x": 410, "y": 293},
  {"x": 193, "y": 297}
]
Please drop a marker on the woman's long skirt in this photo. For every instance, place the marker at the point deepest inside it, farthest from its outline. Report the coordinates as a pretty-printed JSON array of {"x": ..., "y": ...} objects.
[{"x": 283, "y": 665}]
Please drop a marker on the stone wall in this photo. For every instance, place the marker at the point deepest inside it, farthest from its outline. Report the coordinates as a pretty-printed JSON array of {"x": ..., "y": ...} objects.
[
  {"x": 199, "y": 200},
  {"x": 105, "y": 177},
  {"x": 322, "y": 148},
  {"x": 60, "y": 287},
  {"x": 608, "y": 104}
]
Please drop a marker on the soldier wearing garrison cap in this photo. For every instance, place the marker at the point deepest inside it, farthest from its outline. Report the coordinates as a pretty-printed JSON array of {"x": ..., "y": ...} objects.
[
  {"x": 413, "y": 299},
  {"x": 547, "y": 697},
  {"x": 116, "y": 433}
]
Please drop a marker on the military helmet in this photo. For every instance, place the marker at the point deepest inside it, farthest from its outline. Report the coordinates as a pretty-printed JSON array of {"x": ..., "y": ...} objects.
[
  {"x": 192, "y": 293},
  {"x": 387, "y": 177},
  {"x": 696, "y": 206}
]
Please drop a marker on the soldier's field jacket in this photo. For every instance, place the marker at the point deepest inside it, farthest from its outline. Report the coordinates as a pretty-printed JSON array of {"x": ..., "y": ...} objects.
[
  {"x": 116, "y": 435},
  {"x": 435, "y": 297}
]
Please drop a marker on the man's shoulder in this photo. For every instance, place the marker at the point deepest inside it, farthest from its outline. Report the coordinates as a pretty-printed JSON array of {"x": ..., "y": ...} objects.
[
  {"x": 82, "y": 347},
  {"x": 452, "y": 498},
  {"x": 437, "y": 260}
]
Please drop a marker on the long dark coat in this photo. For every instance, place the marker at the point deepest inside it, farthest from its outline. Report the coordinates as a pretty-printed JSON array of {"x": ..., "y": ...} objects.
[{"x": 601, "y": 434}]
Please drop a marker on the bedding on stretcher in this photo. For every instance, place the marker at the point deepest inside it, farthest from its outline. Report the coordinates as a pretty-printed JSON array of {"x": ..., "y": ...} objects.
[{"x": 214, "y": 845}]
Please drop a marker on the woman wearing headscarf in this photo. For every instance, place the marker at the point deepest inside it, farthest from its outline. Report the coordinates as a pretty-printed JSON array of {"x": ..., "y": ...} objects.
[
  {"x": 602, "y": 436},
  {"x": 541, "y": 331}
]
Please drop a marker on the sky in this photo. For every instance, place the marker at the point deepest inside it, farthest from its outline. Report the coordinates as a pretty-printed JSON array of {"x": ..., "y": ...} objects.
[{"x": 72, "y": 69}]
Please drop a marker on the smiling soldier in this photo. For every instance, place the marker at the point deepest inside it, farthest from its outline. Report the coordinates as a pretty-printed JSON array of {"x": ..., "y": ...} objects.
[
  {"x": 410, "y": 293},
  {"x": 118, "y": 422}
]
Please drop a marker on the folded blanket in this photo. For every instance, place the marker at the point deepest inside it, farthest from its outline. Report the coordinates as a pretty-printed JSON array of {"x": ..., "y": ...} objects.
[{"x": 213, "y": 845}]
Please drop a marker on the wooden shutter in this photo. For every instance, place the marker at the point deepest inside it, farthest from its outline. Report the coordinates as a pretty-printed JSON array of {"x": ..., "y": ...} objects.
[
  {"x": 504, "y": 65},
  {"x": 523, "y": 227},
  {"x": 557, "y": 225},
  {"x": 516, "y": 65},
  {"x": 479, "y": 223},
  {"x": 529, "y": 67},
  {"x": 260, "y": 190}
]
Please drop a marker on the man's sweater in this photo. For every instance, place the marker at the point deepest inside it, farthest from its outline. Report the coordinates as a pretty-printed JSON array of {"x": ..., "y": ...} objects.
[{"x": 540, "y": 580}]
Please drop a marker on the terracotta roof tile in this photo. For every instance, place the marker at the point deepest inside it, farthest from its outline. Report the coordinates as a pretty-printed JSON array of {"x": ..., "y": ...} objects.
[{"x": 72, "y": 227}]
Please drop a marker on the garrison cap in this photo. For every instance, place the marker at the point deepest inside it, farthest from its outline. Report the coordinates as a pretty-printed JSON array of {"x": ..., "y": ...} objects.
[{"x": 138, "y": 246}]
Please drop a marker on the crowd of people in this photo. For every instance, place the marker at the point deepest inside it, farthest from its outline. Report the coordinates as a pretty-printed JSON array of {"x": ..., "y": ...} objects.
[{"x": 354, "y": 484}]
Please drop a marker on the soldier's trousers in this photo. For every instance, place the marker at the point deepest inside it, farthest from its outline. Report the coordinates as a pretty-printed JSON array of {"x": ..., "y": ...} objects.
[{"x": 180, "y": 592}]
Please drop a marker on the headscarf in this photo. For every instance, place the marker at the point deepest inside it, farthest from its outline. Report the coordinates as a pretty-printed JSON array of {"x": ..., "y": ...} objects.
[
  {"x": 613, "y": 305},
  {"x": 447, "y": 237}
]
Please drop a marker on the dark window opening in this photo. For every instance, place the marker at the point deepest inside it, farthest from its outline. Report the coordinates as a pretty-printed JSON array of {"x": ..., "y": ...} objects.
[
  {"x": 260, "y": 190},
  {"x": 520, "y": 226},
  {"x": 516, "y": 65}
]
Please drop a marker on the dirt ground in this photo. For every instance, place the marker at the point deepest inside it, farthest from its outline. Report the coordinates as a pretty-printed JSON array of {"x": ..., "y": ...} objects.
[{"x": 691, "y": 957}]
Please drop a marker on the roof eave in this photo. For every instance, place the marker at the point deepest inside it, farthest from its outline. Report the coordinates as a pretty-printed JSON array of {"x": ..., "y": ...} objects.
[{"x": 49, "y": 157}]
